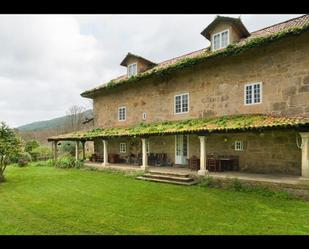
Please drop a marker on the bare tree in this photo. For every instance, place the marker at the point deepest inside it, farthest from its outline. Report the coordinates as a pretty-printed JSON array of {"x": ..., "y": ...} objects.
[{"x": 76, "y": 115}]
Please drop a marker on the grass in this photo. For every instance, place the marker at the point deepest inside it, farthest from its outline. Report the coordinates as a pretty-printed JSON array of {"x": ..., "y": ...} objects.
[{"x": 47, "y": 200}]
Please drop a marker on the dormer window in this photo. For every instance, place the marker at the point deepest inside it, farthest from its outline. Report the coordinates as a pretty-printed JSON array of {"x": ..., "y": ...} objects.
[
  {"x": 132, "y": 69},
  {"x": 220, "y": 40}
]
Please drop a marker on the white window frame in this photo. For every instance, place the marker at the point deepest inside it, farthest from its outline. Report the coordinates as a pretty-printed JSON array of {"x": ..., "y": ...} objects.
[
  {"x": 220, "y": 40},
  {"x": 252, "y": 93},
  {"x": 181, "y": 112},
  {"x": 129, "y": 66},
  {"x": 125, "y": 113},
  {"x": 144, "y": 116},
  {"x": 123, "y": 148},
  {"x": 240, "y": 147}
]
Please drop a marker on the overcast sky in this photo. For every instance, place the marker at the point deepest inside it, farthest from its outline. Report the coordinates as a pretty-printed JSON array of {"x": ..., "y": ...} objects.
[{"x": 46, "y": 61}]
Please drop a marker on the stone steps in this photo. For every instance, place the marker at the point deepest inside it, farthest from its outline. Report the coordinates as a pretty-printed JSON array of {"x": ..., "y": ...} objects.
[
  {"x": 168, "y": 177},
  {"x": 168, "y": 173}
]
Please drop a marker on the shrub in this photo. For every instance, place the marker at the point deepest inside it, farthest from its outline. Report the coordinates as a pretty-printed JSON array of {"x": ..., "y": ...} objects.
[
  {"x": 237, "y": 185},
  {"x": 41, "y": 153},
  {"x": 68, "y": 162},
  {"x": 207, "y": 182},
  {"x": 23, "y": 159}
]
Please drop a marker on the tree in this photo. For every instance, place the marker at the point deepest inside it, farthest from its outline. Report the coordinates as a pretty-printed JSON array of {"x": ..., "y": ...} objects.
[
  {"x": 76, "y": 115},
  {"x": 31, "y": 145},
  {"x": 68, "y": 147},
  {"x": 10, "y": 147}
]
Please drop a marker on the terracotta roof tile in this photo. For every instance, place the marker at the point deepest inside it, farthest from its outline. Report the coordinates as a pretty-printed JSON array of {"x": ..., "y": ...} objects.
[{"x": 295, "y": 22}]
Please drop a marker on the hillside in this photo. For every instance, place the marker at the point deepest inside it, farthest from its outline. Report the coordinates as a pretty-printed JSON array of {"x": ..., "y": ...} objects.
[{"x": 49, "y": 124}]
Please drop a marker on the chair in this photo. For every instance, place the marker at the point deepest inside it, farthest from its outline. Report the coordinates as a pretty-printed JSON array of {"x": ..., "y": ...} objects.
[
  {"x": 138, "y": 160},
  {"x": 194, "y": 163},
  {"x": 212, "y": 163},
  {"x": 151, "y": 159},
  {"x": 159, "y": 159}
]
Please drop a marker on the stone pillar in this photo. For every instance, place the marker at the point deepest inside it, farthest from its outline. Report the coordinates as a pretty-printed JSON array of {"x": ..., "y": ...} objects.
[
  {"x": 305, "y": 154},
  {"x": 55, "y": 150},
  {"x": 144, "y": 154},
  {"x": 105, "y": 153},
  {"x": 202, "y": 170},
  {"x": 77, "y": 150},
  {"x": 83, "y": 150}
]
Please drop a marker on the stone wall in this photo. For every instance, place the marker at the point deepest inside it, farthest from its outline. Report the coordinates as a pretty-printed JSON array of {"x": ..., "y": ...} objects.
[
  {"x": 216, "y": 87},
  {"x": 265, "y": 152}
]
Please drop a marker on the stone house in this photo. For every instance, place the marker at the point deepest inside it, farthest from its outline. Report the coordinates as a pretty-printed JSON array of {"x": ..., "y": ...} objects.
[{"x": 245, "y": 95}]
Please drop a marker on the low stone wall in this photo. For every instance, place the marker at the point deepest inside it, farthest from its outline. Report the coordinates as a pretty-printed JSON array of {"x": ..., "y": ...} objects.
[{"x": 299, "y": 190}]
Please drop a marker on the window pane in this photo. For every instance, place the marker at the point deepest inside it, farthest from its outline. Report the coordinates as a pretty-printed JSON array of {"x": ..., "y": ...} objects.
[
  {"x": 217, "y": 41},
  {"x": 122, "y": 113},
  {"x": 129, "y": 70},
  {"x": 248, "y": 94},
  {"x": 224, "y": 39},
  {"x": 185, "y": 103},
  {"x": 178, "y": 104},
  {"x": 132, "y": 69},
  {"x": 257, "y": 93}
]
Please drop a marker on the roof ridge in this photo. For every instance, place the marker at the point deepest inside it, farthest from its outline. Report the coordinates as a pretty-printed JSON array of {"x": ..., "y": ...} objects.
[
  {"x": 278, "y": 23},
  {"x": 183, "y": 55}
]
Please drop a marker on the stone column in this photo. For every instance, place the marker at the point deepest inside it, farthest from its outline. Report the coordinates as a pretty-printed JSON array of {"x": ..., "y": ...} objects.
[
  {"x": 305, "y": 154},
  {"x": 144, "y": 154},
  {"x": 83, "y": 150},
  {"x": 55, "y": 150},
  {"x": 105, "y": 153},
  {"x": 77, "y": 150},
  {"x": 202, "y": 170}
]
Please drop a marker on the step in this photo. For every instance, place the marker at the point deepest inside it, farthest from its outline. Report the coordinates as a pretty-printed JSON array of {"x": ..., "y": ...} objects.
[
  {"x": 166, "y": 181},
  {"x": 169, "y": 173},
  {"x": 168, "y": 177}
]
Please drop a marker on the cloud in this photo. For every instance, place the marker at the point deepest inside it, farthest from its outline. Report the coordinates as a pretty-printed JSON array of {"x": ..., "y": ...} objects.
[{"x": 48, "y": 60}]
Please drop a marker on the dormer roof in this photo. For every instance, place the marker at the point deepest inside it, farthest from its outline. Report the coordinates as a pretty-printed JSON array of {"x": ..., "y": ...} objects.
[
  {"x": 235, "y": 22},
  {"x": 130, "y": 55}
]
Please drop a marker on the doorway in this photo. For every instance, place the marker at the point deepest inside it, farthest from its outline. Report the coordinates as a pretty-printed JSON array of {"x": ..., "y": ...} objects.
[{"x": 181, "y": 149}]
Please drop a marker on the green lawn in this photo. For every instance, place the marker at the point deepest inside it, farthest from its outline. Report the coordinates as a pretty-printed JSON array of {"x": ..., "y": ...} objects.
[{"x": 45, "y": 200}]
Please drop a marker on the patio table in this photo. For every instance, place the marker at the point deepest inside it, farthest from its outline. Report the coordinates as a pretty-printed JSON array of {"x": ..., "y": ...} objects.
[{"x": 225, "y": 161}]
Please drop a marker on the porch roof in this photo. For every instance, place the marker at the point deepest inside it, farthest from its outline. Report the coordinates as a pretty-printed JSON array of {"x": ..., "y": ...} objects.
[{"x": 197, "y": 126}]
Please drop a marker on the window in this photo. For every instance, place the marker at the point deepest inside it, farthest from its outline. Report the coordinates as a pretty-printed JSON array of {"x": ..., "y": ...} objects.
[
  {"x": 132, "y": 69},
  {"x": 253, "y": 93},
  {"x": 220, "y": 40},
  {"x": 182, "y": 103},
  {"x": 123, "y": 147},
  {"x": 122, "y": 113},
  {"x": 144, "y": 116},
  {"x": 239, "y": 145}
]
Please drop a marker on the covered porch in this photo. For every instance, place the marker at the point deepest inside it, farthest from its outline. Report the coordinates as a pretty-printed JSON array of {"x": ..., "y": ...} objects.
[{"x": 209, "y": 141}]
